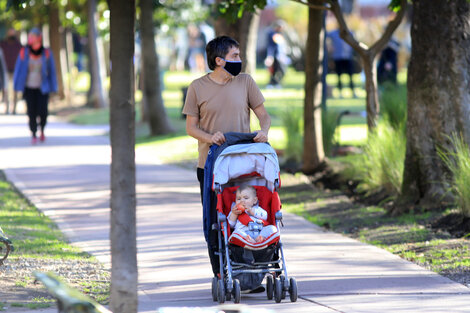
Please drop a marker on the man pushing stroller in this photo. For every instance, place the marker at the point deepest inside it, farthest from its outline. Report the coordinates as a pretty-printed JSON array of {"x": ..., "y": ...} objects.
[{"x": 221, "y": 102}]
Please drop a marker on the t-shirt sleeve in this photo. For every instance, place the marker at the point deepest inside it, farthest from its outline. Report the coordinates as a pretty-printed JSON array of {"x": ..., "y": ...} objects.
[
  {"x": 255, "y": 97},
  {"x": 190, "y": 105}
]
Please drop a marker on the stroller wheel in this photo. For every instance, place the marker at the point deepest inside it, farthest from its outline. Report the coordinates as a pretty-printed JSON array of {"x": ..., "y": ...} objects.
[
  {"x": 228, "y": 293},
  {"x": 269, "y": 286},
  {"x": 277, "y": 290},
  {"x": 292, "y": 289},
  {"x": 236, "y": 291},
  {"x": 214, "y": 288},
  {"x": 220, "y": 291},
  {"x": 282, "y": 278}
]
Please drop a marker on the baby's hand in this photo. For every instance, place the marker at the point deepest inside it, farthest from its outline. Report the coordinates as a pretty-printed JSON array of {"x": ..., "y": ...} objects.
[
  {"x": 238, "y": 209},
  {"x": 259, "y": 238}
]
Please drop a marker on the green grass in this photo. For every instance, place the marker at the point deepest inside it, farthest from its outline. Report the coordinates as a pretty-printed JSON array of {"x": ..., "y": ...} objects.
[{"x": 34, "y": 234}]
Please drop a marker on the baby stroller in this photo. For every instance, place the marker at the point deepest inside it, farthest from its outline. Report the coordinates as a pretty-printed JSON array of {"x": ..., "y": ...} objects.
[{"x": 244, "y": 264}]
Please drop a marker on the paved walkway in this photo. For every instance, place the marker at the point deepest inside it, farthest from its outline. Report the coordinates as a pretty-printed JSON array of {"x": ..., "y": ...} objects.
[{"x": 68, "y": 179}]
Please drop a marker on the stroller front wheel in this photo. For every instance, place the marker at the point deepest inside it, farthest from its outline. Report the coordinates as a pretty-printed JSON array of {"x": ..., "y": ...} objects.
[
  {"x": 269, "y": 286},
  {"x": 292, "y": 289},
  {"x": 236, "y": 291},
  {"x": 277, "y": 290}
]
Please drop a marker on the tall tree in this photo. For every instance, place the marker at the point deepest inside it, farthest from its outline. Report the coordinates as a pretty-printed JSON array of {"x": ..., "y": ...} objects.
[
  {"x": 438, "y": 96},
  {"x": 152, "y": 94},
  {"x": 55, "y": 34},
  {"x": 313, "y": 153},
  {"x": 97, "y": 98},
  {"x": 367, "y": 54},
  {"x": 123, "y": 180}
]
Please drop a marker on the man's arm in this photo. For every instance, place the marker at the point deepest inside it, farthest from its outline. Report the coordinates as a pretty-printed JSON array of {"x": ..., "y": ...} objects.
[
  {"x": 193, "y": 130},
  {"x": 264, "y": 122}
]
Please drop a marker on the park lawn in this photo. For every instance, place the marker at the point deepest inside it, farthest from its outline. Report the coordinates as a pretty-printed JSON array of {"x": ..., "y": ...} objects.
[{"x": 180, "y": 147}]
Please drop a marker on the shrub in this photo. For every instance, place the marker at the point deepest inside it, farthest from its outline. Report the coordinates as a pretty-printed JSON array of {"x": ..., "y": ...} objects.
[
  {"x": 383, "y": 160},
  {"x": 329, "y": 125},
  {"x": 457, "y": 160},
  {"x": 292, "y": 120},
  {"x": 393, "y": 105}
]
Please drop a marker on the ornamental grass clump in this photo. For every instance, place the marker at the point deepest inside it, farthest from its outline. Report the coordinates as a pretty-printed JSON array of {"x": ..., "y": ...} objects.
[
  {"x": 329, "y": 125},
  {"x": 383, "y": 160},
  {"x": 457, "y": 160},
  {"x": 393, "y": 105},
  {"x": 292, "y": 120}
]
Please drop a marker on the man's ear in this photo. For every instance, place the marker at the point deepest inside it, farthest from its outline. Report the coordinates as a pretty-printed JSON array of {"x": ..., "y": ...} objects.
[{"x": 219, "y": 61}]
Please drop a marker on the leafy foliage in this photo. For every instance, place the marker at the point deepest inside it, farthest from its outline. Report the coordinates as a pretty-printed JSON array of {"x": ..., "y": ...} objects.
[
  {"x": 232, "y": 10},
  {"x": 178, "y": 13}
]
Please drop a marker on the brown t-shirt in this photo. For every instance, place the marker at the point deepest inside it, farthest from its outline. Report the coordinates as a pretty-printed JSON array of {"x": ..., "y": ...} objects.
[{"x": 222, "y": 107}]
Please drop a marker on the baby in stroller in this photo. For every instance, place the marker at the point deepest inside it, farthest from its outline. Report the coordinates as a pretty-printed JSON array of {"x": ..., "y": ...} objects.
[{"x": 248, "y": 218}]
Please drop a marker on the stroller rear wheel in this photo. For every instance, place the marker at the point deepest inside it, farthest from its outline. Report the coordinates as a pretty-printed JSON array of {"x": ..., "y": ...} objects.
[
  {"x": 269, "y": 286},
  {"x": 292, "y": 289},
  {"x": 236, "y": 291},
  {"x": 220, "y": 291},
  {"x": 215, "y": 281},
  {"x": 277, "y": 290}
]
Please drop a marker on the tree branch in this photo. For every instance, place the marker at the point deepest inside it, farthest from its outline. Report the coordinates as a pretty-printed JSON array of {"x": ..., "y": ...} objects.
[
  {"x": 390, "y": 29},
  {"x": 344, "y": 31}
]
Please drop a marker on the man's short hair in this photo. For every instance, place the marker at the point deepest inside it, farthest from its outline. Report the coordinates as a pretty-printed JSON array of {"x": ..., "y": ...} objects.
[{"x": 219, "y": 47}]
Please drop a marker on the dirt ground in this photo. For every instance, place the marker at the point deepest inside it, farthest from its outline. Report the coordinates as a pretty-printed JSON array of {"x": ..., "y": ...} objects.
[{"x": 20, "y": 291}]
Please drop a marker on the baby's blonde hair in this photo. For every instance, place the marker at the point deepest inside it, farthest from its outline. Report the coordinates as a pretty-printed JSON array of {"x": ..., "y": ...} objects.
[{"x": 247, "y": 187}]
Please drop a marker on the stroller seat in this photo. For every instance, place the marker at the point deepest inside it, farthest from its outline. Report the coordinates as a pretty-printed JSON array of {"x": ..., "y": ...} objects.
[{"x": 268, "y": 201}]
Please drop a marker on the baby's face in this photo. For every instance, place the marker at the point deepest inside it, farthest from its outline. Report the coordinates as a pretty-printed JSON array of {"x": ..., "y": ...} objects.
[{"x": 246, "y": 198}]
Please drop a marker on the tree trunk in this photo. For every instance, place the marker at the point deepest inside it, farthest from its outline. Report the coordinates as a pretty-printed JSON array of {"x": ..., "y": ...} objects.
[
  {"x": 313, "y": 154},
  {"x": 97, "y": 72},
  {"x": 245, "y": 31},
  {"x": 123, "y": 193},
  {"x": 369, "y": 64},
  {"x": 152, "y": 93},
  {"x": 55, "y": 33},
  {"x": 438, "y": 95}
]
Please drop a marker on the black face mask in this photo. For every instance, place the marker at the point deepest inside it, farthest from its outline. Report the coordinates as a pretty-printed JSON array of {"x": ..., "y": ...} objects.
[{"x": 233, "y": 67}]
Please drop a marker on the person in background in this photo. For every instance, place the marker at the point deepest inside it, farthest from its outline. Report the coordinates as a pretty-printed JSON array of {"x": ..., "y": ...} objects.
[
  {"x": 35, "y": 77},
  {"x": 343, "y": 59},
  {"x": 11, "y": 47},
  {"x": 276, "y": 56},
  {"x": 387, "y": 67}
]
